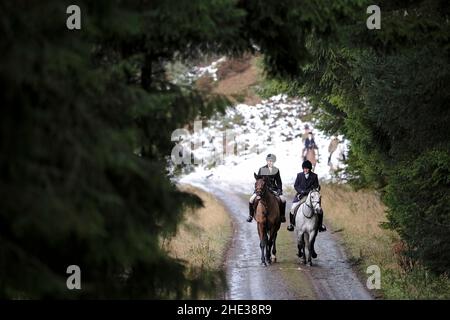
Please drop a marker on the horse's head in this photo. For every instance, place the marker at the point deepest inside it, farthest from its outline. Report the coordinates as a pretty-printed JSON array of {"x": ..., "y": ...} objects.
[
  {"x": 315, "y": 200},
  {"x": 260, "y": 185}
]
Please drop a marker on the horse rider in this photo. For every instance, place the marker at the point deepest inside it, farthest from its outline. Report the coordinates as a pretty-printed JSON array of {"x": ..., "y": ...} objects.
[
  {"x": 304, "y": 183},
  {"x": 332, "y": 147},
  {"x": 274, "y": 184},
  {"x": 305, "y": 133},
  {"x": 309, "y": 144}
]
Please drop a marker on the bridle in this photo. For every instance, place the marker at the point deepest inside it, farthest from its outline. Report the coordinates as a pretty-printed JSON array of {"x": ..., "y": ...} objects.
[
  {"x": 311, "y": 206},
  {"x": 261, "y": 193}
]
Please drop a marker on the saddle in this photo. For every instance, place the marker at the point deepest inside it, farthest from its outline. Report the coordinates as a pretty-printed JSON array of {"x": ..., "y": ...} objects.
[{"x": 299, "y": 203}]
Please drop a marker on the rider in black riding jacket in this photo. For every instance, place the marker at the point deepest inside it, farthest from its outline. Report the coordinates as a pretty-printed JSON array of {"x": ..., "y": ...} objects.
[{"x": 304, "y": 183}]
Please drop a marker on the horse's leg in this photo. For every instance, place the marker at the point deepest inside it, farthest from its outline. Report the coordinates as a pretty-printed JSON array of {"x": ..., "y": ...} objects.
[
  {"x": 299, "y": 244},
  {"x": 274, "y": 248},
  {"x": 300, "y": 252},
  {"x": 313, "y": 236},
  {"x": 268, "y": 248},
  {"x": 307, "y": 256},
  {"x": 262, "y": 242},
  {"x": 262, "y": 245},
  {"x": 313, "y": 241},
  {"x": 311, "y": 253},
  {"x": 302, "y": 247}
]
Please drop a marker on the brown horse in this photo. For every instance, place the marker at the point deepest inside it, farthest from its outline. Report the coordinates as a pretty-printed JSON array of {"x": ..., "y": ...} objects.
[
  {"x": 267, "y": 216},
  {"x": 311, "y": 156}
]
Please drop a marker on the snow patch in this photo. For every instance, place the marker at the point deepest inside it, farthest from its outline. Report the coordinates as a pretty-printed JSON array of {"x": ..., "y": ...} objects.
[{"x": 272, "y": 126}]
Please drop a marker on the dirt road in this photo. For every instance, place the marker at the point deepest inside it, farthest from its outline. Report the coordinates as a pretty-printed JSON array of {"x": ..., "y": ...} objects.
[{"x": 331, "y": 277}]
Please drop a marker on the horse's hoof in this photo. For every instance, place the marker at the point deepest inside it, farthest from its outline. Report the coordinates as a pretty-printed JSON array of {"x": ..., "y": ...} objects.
[
  {"x": 299, "y": 254},
  {"x": 314, "y": 255},
  {"x": 310, "y": 264},
  {"x": 263, "y": 264},
  {"x": 274, "y": 259}
]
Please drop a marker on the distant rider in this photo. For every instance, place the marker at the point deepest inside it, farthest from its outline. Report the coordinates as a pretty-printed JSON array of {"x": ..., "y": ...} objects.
[
  {"x": 332, "y": 147},
  {"x": 310, "y": 143}
]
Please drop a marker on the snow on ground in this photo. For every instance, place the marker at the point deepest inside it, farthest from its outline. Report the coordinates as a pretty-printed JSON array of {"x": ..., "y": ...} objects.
[
  {"x": 245, "y": 135},
  {"x": 183, "y": 74},
  {"x": 211, "y": 70}
]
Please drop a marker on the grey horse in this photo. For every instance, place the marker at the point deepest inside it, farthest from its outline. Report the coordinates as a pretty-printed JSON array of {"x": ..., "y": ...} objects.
[{"x": 307, "y": 225}]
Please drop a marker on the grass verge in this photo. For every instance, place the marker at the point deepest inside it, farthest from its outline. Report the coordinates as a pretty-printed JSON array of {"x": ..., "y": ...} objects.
[
  {"x": 203, "y": 238},
  {"x": 356, "y": 217}
]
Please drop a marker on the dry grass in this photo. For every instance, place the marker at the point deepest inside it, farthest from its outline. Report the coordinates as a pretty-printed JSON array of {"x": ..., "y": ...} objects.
[
  {"x": 234, "y": 66},
  {"x": 237, "y": 78},
  {"x": 356, "y": 216},
  {"x": 205, "y": 84},
  {"x": 203, "y": 237}
]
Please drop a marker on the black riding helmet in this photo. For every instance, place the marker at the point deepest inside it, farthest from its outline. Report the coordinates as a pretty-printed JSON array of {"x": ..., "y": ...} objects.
[{"x": 307, "y": 164}]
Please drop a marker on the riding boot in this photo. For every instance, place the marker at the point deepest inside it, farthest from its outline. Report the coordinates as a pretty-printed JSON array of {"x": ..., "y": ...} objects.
[
  {"x": 251, "y": 212},
  {"x": 322, "y": 227},
  {"x": 283, "y": 212},
  {"x": 290, "y": 227}
]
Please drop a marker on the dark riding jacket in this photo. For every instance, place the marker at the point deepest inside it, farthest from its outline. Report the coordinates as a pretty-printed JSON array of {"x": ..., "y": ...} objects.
[
  {"x": 273, "y": 179},
  {"x": 303, "y": 186},
  {"x": 310, "y": 144}
]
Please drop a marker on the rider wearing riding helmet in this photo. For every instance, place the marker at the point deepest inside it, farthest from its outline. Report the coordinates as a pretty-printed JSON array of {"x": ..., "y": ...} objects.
[
  {"x": 304, "y": 183},
  {"x": 273, "y": 183},
  {"x": 309, "y": 144}
]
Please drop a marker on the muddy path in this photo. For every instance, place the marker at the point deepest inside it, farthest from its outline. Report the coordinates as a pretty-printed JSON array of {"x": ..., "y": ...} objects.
[{"x": 331, "y": 276}]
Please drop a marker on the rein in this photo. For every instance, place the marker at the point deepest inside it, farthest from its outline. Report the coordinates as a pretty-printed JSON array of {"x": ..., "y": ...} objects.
[
  {"x": 263, "y": 197},
  {"x": 309, "y": 206},
  {"x": 263, "y": 191},
  {"x": 263, "y": 200}
]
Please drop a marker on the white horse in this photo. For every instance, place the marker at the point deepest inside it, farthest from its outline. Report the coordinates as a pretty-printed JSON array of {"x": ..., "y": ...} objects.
[
  {"x": 337, "y": 159},
  {"x": 307, "y": 225}
]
